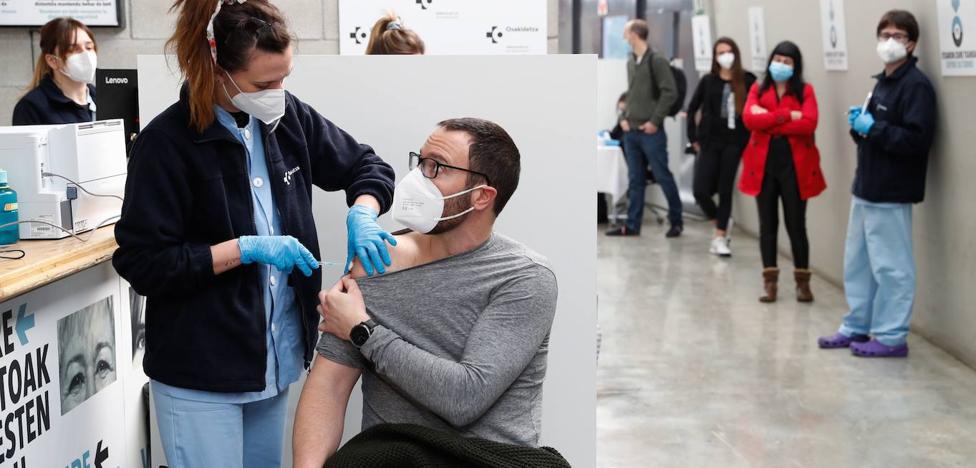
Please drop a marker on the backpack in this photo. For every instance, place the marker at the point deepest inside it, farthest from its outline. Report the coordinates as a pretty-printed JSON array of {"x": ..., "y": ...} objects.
[{"x": 680, "y": 82}]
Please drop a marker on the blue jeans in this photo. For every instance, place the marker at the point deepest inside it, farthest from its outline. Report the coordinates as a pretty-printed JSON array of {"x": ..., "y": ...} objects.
[
  {"x": 879, "y": 271},
  {"x": 640, "y": 150},
  {"x": 202, "y": 434}
]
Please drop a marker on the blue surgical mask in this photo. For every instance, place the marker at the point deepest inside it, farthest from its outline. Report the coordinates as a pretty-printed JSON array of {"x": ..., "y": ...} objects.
[{"x": 780, "y": 71}]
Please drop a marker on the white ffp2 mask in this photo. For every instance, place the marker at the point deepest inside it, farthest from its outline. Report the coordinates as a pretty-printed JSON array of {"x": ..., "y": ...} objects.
[
  {"x": 81, "y": 67},
  {"x": 418, "y": 204},
  {"x": 891, "y": 51},
  {"x": 725, "y": 60},
  {"x": 266, "y": 106}
]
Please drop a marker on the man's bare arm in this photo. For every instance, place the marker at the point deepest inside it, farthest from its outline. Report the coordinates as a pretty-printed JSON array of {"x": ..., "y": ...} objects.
[{"x": 321, "y": 412}]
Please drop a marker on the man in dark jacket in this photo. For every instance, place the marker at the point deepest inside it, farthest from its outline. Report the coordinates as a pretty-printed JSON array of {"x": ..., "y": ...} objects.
[
  {"x": 651, "y": 93},
  {"x": 893, "y": 134}
]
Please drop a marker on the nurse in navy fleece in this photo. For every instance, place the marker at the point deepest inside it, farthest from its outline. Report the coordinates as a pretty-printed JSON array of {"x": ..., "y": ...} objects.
[{"x": 217, "y": 233}]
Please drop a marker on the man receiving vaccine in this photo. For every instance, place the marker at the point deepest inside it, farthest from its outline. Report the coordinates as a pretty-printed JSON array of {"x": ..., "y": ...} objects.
[{"x": 455, "y": 335}]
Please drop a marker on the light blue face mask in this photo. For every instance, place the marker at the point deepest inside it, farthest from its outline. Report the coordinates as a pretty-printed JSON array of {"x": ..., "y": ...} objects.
[{"x": 780, "y": 71}]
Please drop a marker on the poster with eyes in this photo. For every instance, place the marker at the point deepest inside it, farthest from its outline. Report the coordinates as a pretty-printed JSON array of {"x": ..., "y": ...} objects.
[
  {"x": 64, "y": 358},
  {"x": 86, "y": 353}
]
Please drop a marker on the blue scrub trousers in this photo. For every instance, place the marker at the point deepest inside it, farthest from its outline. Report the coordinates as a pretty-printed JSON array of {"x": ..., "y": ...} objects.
[
  {"x": 641, "y": 150},
  {"x": 226, "y": 435},
  {"x": 879, "y": 271}
]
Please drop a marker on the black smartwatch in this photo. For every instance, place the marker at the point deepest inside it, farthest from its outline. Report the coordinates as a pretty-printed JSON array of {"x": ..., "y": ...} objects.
[{"x": 360, "y": 333}]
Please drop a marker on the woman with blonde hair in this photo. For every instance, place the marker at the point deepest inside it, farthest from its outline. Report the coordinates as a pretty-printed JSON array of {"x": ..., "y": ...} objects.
[
  {"x": 390, "y": 37},
  {"x": 61, "y": 91}
]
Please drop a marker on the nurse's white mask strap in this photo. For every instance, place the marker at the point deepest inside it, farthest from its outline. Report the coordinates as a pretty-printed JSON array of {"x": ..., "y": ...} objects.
[{"x": 211, "y": 41}]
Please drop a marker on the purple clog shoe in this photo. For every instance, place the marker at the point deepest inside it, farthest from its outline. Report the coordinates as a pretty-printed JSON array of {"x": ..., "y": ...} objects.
[
  {"x": 840, "y": 340},
  {"x": 874, "y": 348}
]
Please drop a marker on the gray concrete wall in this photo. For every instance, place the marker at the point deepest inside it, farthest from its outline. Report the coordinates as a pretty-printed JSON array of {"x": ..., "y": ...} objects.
[
  {"x": 944, "y": 225},
  {"x": 148, "y": 24}
]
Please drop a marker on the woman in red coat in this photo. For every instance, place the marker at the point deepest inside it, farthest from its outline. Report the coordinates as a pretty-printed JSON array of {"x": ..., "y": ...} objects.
[{"x": 781, "y": 162}]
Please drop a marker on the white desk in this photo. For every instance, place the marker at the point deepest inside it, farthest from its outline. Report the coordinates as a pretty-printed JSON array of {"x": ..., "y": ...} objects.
[{"x": 611, "y": 172}]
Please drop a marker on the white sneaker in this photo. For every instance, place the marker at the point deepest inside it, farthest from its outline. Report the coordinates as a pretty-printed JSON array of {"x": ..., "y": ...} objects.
[{"x": 720, "y": 247}]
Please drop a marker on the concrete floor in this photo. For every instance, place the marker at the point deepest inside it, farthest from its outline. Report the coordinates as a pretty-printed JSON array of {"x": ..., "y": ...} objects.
[{"x": 695, "y": 372}]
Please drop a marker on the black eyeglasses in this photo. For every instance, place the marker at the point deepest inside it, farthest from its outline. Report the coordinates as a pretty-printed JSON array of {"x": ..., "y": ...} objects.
[
  {"x": 430, "y": 168},
  {"x": 900, "y": 37}
]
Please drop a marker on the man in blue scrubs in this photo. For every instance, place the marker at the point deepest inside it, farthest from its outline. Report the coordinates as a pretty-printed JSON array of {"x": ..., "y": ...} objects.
[{"x": 894, "y": 135}]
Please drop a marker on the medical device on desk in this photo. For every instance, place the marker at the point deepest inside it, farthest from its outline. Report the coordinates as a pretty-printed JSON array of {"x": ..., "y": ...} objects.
[{"x": 69, "y": 178}]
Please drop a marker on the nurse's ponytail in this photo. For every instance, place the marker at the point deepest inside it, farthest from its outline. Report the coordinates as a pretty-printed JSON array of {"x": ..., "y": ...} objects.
[
  {"x": 238, "y": 28},
  {"x": 390, "y": 37}
]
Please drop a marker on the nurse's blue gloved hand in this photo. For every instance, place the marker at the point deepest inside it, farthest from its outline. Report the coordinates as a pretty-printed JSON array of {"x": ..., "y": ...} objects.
[
  {"x": 281, "y": 252},
  {"x": 863, "y": 123},
  {"x": 853, "y": 114},
  {"x": 367, "y": 240}
]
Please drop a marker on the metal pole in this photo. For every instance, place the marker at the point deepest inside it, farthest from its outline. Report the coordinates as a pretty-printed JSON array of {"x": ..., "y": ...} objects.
[
  {"x": 676, "y": 34},
  {"x": 577, "y": 21}
]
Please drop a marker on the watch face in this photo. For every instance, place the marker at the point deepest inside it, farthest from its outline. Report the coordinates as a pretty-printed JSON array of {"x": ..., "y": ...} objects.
[{"x": 359, "y": 335}]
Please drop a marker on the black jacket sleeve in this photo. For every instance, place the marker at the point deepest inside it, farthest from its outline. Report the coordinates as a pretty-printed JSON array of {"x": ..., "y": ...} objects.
[
  {"x": 339, "y": 162},
  {"x": 693, "y": 107},
  {"x": 153, "y": 255},
  {"x": 917, "y": 129},
  {"x": 617, "y": 133},
  {"x": 26, "y": 113}
]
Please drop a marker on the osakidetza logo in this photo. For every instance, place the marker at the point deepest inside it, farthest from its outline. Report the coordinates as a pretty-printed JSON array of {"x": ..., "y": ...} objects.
[
  {"x": 956, "y": 25},
  {"x": 424, "y": 4},
  {"x": 359, "y": 35},
  {"x": 497, "y": 33}
]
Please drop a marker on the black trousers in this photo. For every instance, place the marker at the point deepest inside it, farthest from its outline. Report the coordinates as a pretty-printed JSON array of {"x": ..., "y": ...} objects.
[
  {"x": 715, "y": 170},
  {"x": 779, "y": 183}
]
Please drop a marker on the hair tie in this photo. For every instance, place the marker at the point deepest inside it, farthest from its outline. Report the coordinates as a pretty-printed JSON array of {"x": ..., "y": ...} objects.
[
  {"x": 211, "y": 40},
  {"x": 15, "y": 254},
  {"x": 394, "y": 26}
]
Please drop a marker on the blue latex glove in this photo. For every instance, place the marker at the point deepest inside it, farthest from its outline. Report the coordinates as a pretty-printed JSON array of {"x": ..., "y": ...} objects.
[
  {"x": 863, "y": 123},
  {"x": 367, "y": 240},
  {"x": 853, "y": 114},
  {"x": 281, "y": 252}
]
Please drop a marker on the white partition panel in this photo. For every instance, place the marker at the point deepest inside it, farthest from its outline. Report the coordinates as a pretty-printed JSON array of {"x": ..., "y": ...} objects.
[
  {"x": 548, "y": 105},
  {"x": 611, "y": 83},
  {"x": 498, "y": 27}
]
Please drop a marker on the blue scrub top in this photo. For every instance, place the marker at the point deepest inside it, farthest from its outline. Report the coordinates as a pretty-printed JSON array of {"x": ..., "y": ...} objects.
[{"x": 284, "y": 340}]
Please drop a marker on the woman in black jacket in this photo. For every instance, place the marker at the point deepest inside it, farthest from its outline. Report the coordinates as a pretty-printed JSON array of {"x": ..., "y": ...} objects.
[
  {"x": 62, "y": 90},
  {"x": 719, "y": 137},
  {"x": 217, "y": 232}
]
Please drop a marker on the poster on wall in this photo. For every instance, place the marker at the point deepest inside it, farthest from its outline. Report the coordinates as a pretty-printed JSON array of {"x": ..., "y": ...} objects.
[
  {"x": 702, "y": 42},
  {"x": 35, "y": 13},
  {"x": 957, "y": 37},
  {"x": 61, "y": 363},
  {"x": 498, "y": 27},
  {"x": 834, "y": 34},
  {"x": 614, "y": 45},
  {"x": 757, "y": 39}
]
